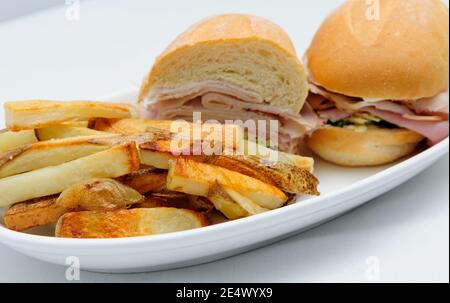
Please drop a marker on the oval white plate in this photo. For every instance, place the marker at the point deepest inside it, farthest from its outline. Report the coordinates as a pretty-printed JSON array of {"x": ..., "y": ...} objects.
[{"x": 342, "y": 189}]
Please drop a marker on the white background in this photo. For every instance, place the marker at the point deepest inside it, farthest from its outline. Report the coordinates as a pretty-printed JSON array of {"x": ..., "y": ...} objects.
[{"x": 112, "y": 46}]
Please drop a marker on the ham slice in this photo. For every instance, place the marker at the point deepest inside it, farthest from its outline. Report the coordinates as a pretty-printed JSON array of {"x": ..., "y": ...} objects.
[
  {"x": 435, "y": 132},
  {"x": 428, "y": 117},
  {"x": 333, "y": 114},
  {"x": 221, "y": 101},
  {"x": 437, "y": 105}
]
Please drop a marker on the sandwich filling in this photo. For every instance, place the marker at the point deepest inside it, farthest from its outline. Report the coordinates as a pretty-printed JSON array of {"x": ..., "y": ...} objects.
[
  {"x": 427, "y": 117},
  {"x": 222, "y": 101}
]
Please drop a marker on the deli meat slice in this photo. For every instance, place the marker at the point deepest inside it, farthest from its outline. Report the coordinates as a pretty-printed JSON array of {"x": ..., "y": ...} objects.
[
  {"x": 428, "y": 117},
  {"x": 220, "y": 101},
  {"x": 434, "y": 131}
]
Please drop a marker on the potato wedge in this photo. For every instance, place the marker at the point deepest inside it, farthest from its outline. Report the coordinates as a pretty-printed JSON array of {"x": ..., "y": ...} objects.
[
  {"x": 146, "y": 180},
  {"x": 176, "y": 200},
  {"x": 37, "y": 212},
  {"x": 252, "y": 149},
  {"x": 10, "y": 140},
  {"x": 196, "y": 178},
  {"x": 127, "y": 223},
  {"x": 224, "y": 203},
  {"x": 99, "y": 195},
  {"x": 61, "y": 131},
  {"x": 130, "y": 126},
  {"x": 48, "y": 153},
  {"x": 287, "y": 177},
  {"x": 21, "y": 115},
  {"x": 112, "y": 163},
  {"x": 250, "y": 206},
  {"x": 96, "y": 195}
]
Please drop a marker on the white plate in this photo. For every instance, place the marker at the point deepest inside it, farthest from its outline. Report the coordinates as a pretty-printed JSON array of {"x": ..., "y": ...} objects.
[{"x": 342, "y": 189}]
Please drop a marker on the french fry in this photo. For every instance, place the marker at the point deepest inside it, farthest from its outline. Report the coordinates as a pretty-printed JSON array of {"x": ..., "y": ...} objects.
[
  {"x": 10, "y": 140},
  {"x": 99, "y": 195},
  {"x": 37, "y": 212},
  {"x": 112, "y": 163},
  {"x": 224, "y": 203},
  {"x": 176, "y": 200},
  {"x": 48, "y": 153},
  {"x": 146, "y": 180},
  {"x": 263, "y": 153},
  {"x": 196, "y": 178},
  {"x": 130, "y": 126},
  {"x": 21, "y": 115},
  {"x": 287, "y": 177},
  {"x": 95, "y": 195},
  {"x": 127, "y": 223},
  {"x": 61, "y": 131}
]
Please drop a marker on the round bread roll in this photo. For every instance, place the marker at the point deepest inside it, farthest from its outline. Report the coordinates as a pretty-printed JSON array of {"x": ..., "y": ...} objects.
[
  {"x": 398, "y": 50},
  {"x": 375, "y": 146},
  {"x": 248, "y": 52}
]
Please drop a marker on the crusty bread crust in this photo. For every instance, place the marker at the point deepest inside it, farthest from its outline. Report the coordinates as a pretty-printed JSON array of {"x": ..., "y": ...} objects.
[
  {"x": 249, "y": 52},
  {"x": 402, "y": 56},
  {"x": 375, "y": 146}
]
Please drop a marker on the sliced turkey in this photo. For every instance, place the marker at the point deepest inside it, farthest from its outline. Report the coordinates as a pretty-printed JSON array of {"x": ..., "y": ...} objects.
[{"x": 221, "y": 101}]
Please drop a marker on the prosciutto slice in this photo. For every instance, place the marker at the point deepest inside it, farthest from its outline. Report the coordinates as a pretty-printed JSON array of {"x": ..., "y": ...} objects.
[
  {"x": 428, "y": 117},
  {"x": 221, "y": 101}
]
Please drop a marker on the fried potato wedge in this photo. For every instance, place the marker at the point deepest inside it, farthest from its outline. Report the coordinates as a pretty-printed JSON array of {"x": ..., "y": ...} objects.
[
  {"x": 176, "y": 200},
  {"x": 10, "y": 140},
  {"x": 146, "y": 180},
  {"x": 196, "y": 178},
  {"x": 99, "y": 195},
  {"x": 127, "y": 223},
  {"x": 21, "y": 115},
  {"x": 92, "y": 195},
  {"x": 33, "y": 213},
  {"x": 130, "y": 126},
  {"x": 252, "y": 149},
  {"x": 61, "y": 131},
  {"x": 49, "y": 153},
  {"x": 287, "y": 177},
  {"x": 112, "y": 163},
  {"x": 224, "y": 203}
]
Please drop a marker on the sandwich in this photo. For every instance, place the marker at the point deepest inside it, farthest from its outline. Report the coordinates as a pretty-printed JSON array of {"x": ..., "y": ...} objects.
[
  {"x": 232, "y": 67},
  {"x": 379, "y": 77}
]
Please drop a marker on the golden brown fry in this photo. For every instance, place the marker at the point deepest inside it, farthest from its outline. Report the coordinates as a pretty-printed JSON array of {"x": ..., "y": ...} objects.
[
  {"x": 48, "y": 153},
  {"x": 37, "y": 212},
  {"x": 112, "y": 163},
  {"x": 176, "y": 200},
  {"x": 10, "y": 140},
  {"x": 224, "y": 203},
  {"x": 61, "y": 131},
  {"x": 196, "y": 178},
  {"x": 287, "y": 177},
  {"x": 263, "y": 154},
  {"x": 130, "y": 126},
  {"x": 99, "y": 195},
  {"x": 127, "y": 223},
  {"x": 21, "y": 115},
  {"x": 146, "y": 180}
]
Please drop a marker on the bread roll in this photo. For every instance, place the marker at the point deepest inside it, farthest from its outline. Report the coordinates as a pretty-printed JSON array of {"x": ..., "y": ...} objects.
[
  {"x": 402, "y": 53},
  {"x": 247, "y": 52}
]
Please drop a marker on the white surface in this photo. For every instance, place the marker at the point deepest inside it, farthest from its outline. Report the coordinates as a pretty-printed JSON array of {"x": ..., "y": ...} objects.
[
  {"x": 16, "y": 8},
  {"x": 407, "y": 230}
]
